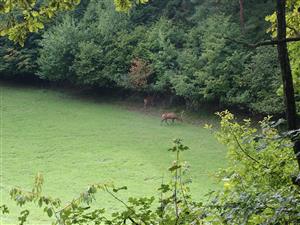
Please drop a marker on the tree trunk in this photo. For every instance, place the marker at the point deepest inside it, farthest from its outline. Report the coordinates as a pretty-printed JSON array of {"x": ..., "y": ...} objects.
[
  {"x": 288, "y": 88},
  {"x": 242, "y": 20}
]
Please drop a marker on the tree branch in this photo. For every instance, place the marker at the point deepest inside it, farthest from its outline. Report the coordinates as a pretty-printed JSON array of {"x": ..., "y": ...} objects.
[
  {"x": 297, "y": 32},
  {"x": 127, "y": 206},
  {"x": 263, "y": 43},
  {"x": 245, "y": 152}
]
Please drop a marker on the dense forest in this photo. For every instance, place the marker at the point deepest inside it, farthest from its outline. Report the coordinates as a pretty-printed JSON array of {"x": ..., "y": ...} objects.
[
  {"x": 234, "y": 54},
  {"x": 189, "y": 49}
]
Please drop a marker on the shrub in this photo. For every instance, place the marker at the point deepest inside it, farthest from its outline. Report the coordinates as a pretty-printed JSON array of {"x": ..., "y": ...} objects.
[{"x": 258, "y": 188}]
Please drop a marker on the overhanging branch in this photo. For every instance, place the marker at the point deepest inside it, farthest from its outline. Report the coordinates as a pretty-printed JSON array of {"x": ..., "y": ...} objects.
[{"x": 264, "y": 43}]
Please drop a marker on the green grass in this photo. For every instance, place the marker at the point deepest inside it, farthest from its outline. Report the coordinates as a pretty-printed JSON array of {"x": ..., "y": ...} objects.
[{"x": 74, "y": 142}]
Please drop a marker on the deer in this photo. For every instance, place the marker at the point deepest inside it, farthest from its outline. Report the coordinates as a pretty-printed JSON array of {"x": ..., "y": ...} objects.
[
  {"x": 171, "y": 116},
  {"x": 148, "y": 101}
]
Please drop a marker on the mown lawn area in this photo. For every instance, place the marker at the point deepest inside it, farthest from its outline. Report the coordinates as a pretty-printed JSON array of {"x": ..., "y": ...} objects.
[{"x": 75, "y": 142}]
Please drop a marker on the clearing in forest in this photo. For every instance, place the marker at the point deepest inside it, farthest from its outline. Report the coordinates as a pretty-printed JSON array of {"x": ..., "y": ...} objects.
[{"x": 75, "y": 142}]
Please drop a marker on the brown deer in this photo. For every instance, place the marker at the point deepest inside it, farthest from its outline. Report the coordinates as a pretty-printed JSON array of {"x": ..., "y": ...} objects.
[
  {"x": 170, "y": 116},
  {"x": 148, "y": 101}
]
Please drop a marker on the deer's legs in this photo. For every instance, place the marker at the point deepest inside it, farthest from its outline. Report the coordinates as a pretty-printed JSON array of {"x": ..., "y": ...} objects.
[{"x": 164, "y": 120}]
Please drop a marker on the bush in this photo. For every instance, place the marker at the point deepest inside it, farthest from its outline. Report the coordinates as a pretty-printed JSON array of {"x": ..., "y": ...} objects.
[{"x": 258, "y": 188}]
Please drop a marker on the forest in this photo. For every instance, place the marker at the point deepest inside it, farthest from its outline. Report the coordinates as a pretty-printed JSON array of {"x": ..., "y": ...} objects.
[
  {"x": 241, "y": 55},
  {"x": 187, "y": 49}
]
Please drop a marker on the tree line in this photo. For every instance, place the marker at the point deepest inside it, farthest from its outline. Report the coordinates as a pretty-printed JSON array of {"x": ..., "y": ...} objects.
[{"x": 176, "y": 48}]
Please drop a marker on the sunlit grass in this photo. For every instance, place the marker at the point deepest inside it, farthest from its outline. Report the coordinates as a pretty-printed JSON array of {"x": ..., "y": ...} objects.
[{"x": 74, "y": 142}]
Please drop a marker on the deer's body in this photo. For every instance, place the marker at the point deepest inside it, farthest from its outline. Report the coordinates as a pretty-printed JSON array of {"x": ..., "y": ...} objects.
[
  {"x": 148, "y": 101},
  {"x": 170, "y": 116}
]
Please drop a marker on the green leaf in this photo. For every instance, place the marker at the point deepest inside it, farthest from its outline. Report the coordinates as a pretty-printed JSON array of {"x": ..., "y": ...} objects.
[
  {"x": 39, "y": 25},
  {"x": 49, "y": 212},
  {"x": 34, "y": 13},
  {"x": 174, "y": 167},
  {"x": 118, "y": 189}
]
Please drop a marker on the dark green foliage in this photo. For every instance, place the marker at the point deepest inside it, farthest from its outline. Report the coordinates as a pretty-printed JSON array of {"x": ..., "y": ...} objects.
[
  {"x": 88, "y": 64},
  {"x": 58, "y": 48},
  {"x": 254, "y": 92},
  {"x": 159, "y": 48},
  {"x": 187, "y": 44},
  {"x": 17, "y": 62},
  {"x": 77, "y": 51}
]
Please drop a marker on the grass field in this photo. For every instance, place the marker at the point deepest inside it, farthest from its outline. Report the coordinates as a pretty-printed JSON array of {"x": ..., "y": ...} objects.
[{"x": 74, "y": 142}]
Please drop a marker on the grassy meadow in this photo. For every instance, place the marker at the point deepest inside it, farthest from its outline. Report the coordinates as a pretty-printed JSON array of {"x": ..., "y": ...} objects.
[{"x": 75, "y": 141}]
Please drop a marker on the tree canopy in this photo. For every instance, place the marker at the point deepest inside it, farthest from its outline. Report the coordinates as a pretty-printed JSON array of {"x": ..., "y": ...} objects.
[{"x": 186, "y": 45}]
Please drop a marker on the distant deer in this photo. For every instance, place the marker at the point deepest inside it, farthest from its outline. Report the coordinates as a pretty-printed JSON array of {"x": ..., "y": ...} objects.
[
  {"x": 170, "y": 116},
  {"x": 148, "y": 101}
]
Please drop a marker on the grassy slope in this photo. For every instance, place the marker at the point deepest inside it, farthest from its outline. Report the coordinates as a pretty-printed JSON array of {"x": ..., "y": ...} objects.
[{"x": 76, "y": 142}]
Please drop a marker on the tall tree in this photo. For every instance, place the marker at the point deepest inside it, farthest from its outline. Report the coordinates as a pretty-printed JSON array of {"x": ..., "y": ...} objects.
[{"x": 288, "y": 88}]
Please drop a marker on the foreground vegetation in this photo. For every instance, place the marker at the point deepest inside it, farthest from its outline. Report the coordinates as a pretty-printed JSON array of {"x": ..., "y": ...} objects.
[{"x": 75, "y": 141}]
